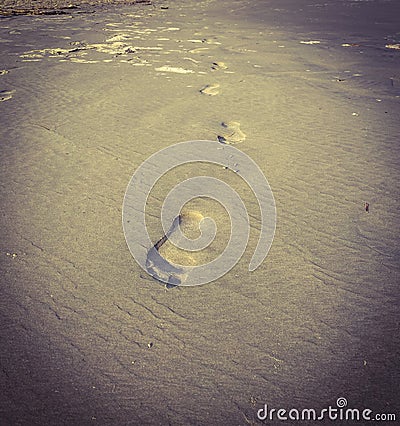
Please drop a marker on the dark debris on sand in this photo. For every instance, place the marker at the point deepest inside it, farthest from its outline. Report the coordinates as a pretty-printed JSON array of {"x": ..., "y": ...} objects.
[{"x": 57, "y": 7}]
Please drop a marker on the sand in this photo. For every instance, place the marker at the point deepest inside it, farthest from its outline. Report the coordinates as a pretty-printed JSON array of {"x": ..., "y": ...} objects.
[
  {"x": 87, "y": 337},
  {"x": 58, "y": 7}
]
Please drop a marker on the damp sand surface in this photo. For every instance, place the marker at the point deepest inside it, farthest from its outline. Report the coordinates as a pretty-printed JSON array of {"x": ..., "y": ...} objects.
[
  {"x": 87, "y": 336},
  {"x": 60, "y": 7}
]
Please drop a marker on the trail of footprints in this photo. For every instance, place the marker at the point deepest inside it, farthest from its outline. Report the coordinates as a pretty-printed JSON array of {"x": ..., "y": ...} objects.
[
  {"x": 163, "y": 259},
  {"x": 229, "y": 132},
  {"x": 121, "y": 45}
]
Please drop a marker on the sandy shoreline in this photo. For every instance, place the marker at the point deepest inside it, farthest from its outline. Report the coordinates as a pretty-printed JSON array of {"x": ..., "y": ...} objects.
[{"x": 59, "y": 7}]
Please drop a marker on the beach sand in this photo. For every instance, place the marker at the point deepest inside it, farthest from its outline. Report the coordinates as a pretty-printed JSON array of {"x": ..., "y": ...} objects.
[
  {"x": 59, "y": 7},
  {"x": 87, "y": 337}
]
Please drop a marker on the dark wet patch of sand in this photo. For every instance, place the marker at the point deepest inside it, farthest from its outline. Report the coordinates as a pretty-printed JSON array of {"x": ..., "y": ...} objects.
[{"x": 58, "y": 7}]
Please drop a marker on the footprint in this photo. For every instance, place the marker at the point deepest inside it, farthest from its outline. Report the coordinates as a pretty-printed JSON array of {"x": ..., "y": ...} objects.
[
  {"x": 162, "y": 256},
  {"x": 210, "y": 89},
  {"x": 219, "y": 66},
  {"x": 231, "y": 133},
  {"x": 6, "y": 95}
]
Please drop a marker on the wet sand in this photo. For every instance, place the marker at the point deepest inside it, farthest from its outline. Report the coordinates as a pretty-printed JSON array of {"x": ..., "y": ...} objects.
[
  {"x": 87, "y": 337},
  {"x": 59, "y": 7}
]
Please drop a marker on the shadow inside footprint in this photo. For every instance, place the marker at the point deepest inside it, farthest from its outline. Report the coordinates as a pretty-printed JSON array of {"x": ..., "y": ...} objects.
[
  {"x": 168, "y": 263},
  {"x": 162, "y": 270},
  {"x": 159, "y": 267}
]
